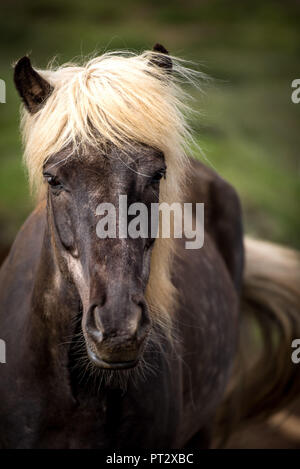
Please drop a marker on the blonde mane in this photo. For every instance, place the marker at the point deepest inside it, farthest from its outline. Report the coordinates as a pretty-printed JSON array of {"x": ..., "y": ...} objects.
[{"x": 121, "y": 98}]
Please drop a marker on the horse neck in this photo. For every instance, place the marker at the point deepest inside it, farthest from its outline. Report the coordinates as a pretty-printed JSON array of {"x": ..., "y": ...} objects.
[{"x": 54, "y": 303}]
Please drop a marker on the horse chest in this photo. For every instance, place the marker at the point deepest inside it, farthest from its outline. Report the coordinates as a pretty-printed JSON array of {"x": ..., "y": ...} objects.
[{"x": 111, "y": 420}]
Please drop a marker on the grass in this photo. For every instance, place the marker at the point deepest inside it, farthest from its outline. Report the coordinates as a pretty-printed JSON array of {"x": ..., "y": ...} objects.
[{"x": 249, "y": 127}]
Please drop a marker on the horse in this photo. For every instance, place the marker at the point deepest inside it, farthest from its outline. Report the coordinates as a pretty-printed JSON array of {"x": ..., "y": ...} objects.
[{"x": 122, "y": 342}]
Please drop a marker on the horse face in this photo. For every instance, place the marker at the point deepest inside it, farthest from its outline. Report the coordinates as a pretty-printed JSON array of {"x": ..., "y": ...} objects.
[{"x": 111, "y": 273}]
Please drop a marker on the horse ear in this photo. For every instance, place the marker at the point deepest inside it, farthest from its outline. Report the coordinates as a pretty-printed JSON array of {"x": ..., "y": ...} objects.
[
  {"x": 160, "y": 58},
  {"x": 33, "y": 89}
]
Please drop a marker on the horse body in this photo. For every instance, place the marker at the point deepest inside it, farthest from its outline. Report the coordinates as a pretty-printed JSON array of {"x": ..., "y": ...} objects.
[
  {"x": 46, "y": 403},
  {"x": 116, "y": 341}
]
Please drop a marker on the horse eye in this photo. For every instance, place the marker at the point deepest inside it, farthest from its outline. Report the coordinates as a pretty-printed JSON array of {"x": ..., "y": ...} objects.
[
  {"x": 53, "y": 181},
  {"x": 159, "y": 175}
]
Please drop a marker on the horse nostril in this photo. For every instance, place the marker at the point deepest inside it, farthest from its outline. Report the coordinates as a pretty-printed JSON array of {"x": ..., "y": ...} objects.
[
  {"x": 142, "y": 320},
  {"x": 97, "y": 319},
  {"x": 97, "y": 335},
  {"x": 93, "y": 324}
]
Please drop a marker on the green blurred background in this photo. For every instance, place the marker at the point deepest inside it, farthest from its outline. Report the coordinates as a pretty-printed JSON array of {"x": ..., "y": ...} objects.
[{"x": 248, "y": 127}]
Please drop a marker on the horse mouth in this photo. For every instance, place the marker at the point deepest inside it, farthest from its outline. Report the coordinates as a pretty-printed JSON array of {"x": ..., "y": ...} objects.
[{"x": 101, "y": 363}]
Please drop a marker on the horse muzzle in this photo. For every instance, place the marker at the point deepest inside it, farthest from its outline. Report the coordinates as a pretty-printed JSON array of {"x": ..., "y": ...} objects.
[{"x": 115, "y": 340}]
